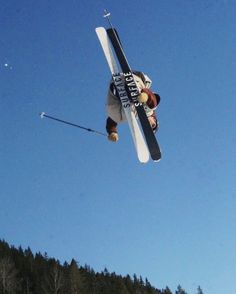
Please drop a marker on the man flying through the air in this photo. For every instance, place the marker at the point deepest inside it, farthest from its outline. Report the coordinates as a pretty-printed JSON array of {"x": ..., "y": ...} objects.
[{"x": 116, "y": 114}]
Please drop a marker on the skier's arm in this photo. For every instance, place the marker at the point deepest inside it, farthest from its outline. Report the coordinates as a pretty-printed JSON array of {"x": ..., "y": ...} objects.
[
  {"x": 112, "y": 130},
  {"x": 111, "y": 126},
  {"x": 148, "y": 97}
]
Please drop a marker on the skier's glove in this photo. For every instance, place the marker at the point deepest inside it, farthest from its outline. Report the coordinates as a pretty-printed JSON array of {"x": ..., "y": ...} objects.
[
  {"x": 143, "y": 97},
  {"x": 113, "y": 137}
]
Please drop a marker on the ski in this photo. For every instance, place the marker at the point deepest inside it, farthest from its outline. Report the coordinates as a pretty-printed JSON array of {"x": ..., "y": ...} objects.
[
  {"x": 139, "y": 141},
  {"x": 133, "y": 92}
]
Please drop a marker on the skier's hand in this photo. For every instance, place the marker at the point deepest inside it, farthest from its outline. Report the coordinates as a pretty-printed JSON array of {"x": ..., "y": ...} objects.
[
  {"x": 113, "y": 137},
  {"x": 143, "y": 97}
]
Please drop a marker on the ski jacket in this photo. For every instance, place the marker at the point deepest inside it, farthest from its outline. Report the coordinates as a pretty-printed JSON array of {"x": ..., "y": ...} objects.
[{"x": 114, "y": 107}]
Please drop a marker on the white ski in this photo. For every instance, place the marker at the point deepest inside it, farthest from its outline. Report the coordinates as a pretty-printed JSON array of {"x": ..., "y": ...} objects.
[{"x": 139, "y": 141}]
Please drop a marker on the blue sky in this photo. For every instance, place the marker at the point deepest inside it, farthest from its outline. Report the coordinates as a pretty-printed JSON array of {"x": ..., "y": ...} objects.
[{"x": 73, "y": 194}]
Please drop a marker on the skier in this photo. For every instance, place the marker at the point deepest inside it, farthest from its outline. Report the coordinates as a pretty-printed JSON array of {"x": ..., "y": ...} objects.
[{"x": 115, "y": 110}]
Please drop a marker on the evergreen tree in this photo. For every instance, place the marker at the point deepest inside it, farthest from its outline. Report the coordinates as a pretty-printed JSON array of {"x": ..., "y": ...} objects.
[
  {"x": 40, "y": 269},
  {"x": 4, "y": 249},
  {"x": 128, "y": 283},
  {"x": 27, "y": 272},
  {"x": 141, "y": 282},
  {"x": 53, "y": 279},
  {"x": 73, "y": 278},
  {"x": 180, "y": 290},
  {"x": 135, "y": 282},
  {"x": 199, "y": 290},
  {"x": 8, "y": 276},
  {"x": 166, "y": 291}
]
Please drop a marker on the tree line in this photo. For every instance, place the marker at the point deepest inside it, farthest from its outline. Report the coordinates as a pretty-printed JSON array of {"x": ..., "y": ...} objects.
[{"x": 22, "y": 272}]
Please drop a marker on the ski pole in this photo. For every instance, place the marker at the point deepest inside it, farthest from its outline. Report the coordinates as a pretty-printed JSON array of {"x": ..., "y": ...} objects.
[
  {"x": 43, "y": 114},
  {"x": 107, "y": 15}
]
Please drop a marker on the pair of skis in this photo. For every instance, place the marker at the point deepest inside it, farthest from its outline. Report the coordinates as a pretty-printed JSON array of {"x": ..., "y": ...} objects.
[{"x": 128, "y": 93}]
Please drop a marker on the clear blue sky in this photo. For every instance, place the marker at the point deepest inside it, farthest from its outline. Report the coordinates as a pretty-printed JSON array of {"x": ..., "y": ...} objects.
[{"x": 73, "y": 194}]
